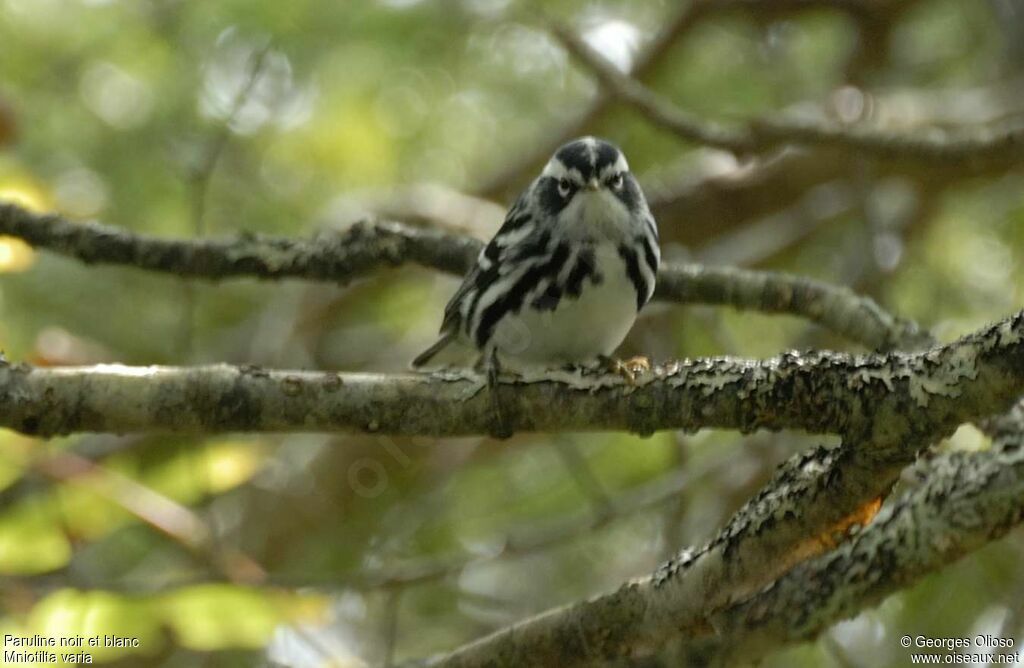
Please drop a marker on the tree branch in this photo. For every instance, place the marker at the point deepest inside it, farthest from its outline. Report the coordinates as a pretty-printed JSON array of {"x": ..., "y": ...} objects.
[
  {"x": 814, "y": 501},
  {"x": 865, "y": 12},
  {"x": 853, "y": 316},
  {"x": 819, "y": 392},
  {"x": 647, "y": 62},
  {"x": 972, "y": 150},
  {"x": 887, "y": 407},
  {"x": 328, "y": 256},
  {"x": 965, "y": 501},
  {"x": 342, "y": 257}
]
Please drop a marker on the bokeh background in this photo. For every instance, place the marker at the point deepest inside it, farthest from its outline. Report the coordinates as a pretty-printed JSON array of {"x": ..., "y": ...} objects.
[{"x": 188, "y": 119}]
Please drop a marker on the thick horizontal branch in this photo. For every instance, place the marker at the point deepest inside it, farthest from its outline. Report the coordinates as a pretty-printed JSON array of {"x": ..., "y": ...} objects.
[
  {"x": 818, "y": 392},
  {"x": 367, "y": 247},
  {"x": 974, "y": 149}
]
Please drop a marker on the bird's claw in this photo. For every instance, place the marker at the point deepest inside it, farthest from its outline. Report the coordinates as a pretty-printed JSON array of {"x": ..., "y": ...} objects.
[
  {"x": 500, "y": 428},
  {"x": 629, "y": 369}
]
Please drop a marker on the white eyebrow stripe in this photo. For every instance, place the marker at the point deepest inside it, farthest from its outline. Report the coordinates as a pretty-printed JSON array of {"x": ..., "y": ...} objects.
[
  {"x": 554, "y": 169},
  {"x": 618, "y": 166},
  {"x": 592, "y": 148},
  {"x": 557, "y": 170}
]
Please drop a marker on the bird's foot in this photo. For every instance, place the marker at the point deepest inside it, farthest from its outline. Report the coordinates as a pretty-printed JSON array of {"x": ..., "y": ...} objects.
[
  {"x": 500, "y": 427},
  {"x": 629, "y": 369}
]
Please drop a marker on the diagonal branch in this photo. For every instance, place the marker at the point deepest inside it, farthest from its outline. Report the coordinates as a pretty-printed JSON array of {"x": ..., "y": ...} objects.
[
  {"x": 965, "y": 501},
  {"x": 647, "y": 62},
  {"x": 517, "y": 542},
  {"x": 814, "y": 501},
  {"x": 364, "y": 248},
  {"x": 163, "y": 514},
  {"x": 865, "y": 12},
  {"x": 972, "y": 149}
]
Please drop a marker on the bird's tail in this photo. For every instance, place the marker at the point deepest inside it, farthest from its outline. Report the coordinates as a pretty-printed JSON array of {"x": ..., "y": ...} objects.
[{"x": 434, "y": 349}]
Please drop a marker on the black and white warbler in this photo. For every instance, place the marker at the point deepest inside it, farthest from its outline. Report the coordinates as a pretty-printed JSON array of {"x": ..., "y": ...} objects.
[{"x": 563, "y": 279}]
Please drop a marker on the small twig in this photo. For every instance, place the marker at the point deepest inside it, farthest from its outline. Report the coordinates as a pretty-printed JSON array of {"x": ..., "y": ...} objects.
[
  {"x": 646, "y": 63},
  {"x": 200, "y": 178},
  {"x": 856, "y": 317},
  {"x": 971, "y": 149},
  {"x": 650, "y": 59},
  {"x": 89, "y": 447},
  {"x": 657, "y": 109},
  {"x": 171, "y": 518},
  {"x": 519, "y": 542},
  {"x": 390, "y": 626},
  {"x": 584, "y": 476},
  {"x": 202, "y": 173},
  {"x": 533, "y": 539}
]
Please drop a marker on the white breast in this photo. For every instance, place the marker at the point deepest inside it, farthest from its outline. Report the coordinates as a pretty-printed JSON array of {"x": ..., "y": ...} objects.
[{"x": 579, "y": 329}]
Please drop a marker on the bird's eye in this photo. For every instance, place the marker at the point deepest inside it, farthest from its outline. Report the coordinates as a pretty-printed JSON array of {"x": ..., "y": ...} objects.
[
  {"x": 564, "y": 187},
  {"x": 615, "y": 181}
]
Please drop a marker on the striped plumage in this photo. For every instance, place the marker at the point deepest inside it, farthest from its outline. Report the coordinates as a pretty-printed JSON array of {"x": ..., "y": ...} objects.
[{"x": 564, "y": 277}]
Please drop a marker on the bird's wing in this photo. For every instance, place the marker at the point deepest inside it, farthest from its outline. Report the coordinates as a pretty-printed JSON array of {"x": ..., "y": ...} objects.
[{"x": 489, "y": 262}]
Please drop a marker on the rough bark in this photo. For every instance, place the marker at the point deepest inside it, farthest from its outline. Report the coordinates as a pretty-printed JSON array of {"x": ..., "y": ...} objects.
[
  {"x": 740, "y": 594},
  {"x": 815, "y": 502},
  {"x": 964, "y": 501},
  {"x": 873, "y": 396}
]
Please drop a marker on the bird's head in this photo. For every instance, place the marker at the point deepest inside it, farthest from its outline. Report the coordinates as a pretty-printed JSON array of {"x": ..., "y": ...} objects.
[{"x": 588, "y": 168}]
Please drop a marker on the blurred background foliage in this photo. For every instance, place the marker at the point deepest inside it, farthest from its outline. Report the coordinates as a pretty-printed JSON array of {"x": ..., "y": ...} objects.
[{"x": 189, "y": 119}]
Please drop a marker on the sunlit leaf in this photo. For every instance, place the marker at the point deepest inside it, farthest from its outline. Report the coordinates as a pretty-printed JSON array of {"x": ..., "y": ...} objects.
[
  {"x": 32, "y": 540},
  {"x": 116, "y": 622},
  {"x": 24, "y": 193},
  {"x": 230, "y": 464},
  {"x": 15, "y": 450},
  {"x": 347, "y": 141},
  {"x": 85, "y": 512},
  {"x": 15, "y": 255},
  {"x": 210, "y": 617}
]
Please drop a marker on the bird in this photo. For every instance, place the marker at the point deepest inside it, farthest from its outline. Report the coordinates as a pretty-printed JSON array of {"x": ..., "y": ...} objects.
[{"x": 563, "y": 279}]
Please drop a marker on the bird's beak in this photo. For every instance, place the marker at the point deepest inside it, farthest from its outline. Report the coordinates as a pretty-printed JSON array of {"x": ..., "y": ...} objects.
[{"x": 593, "y": 185}]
